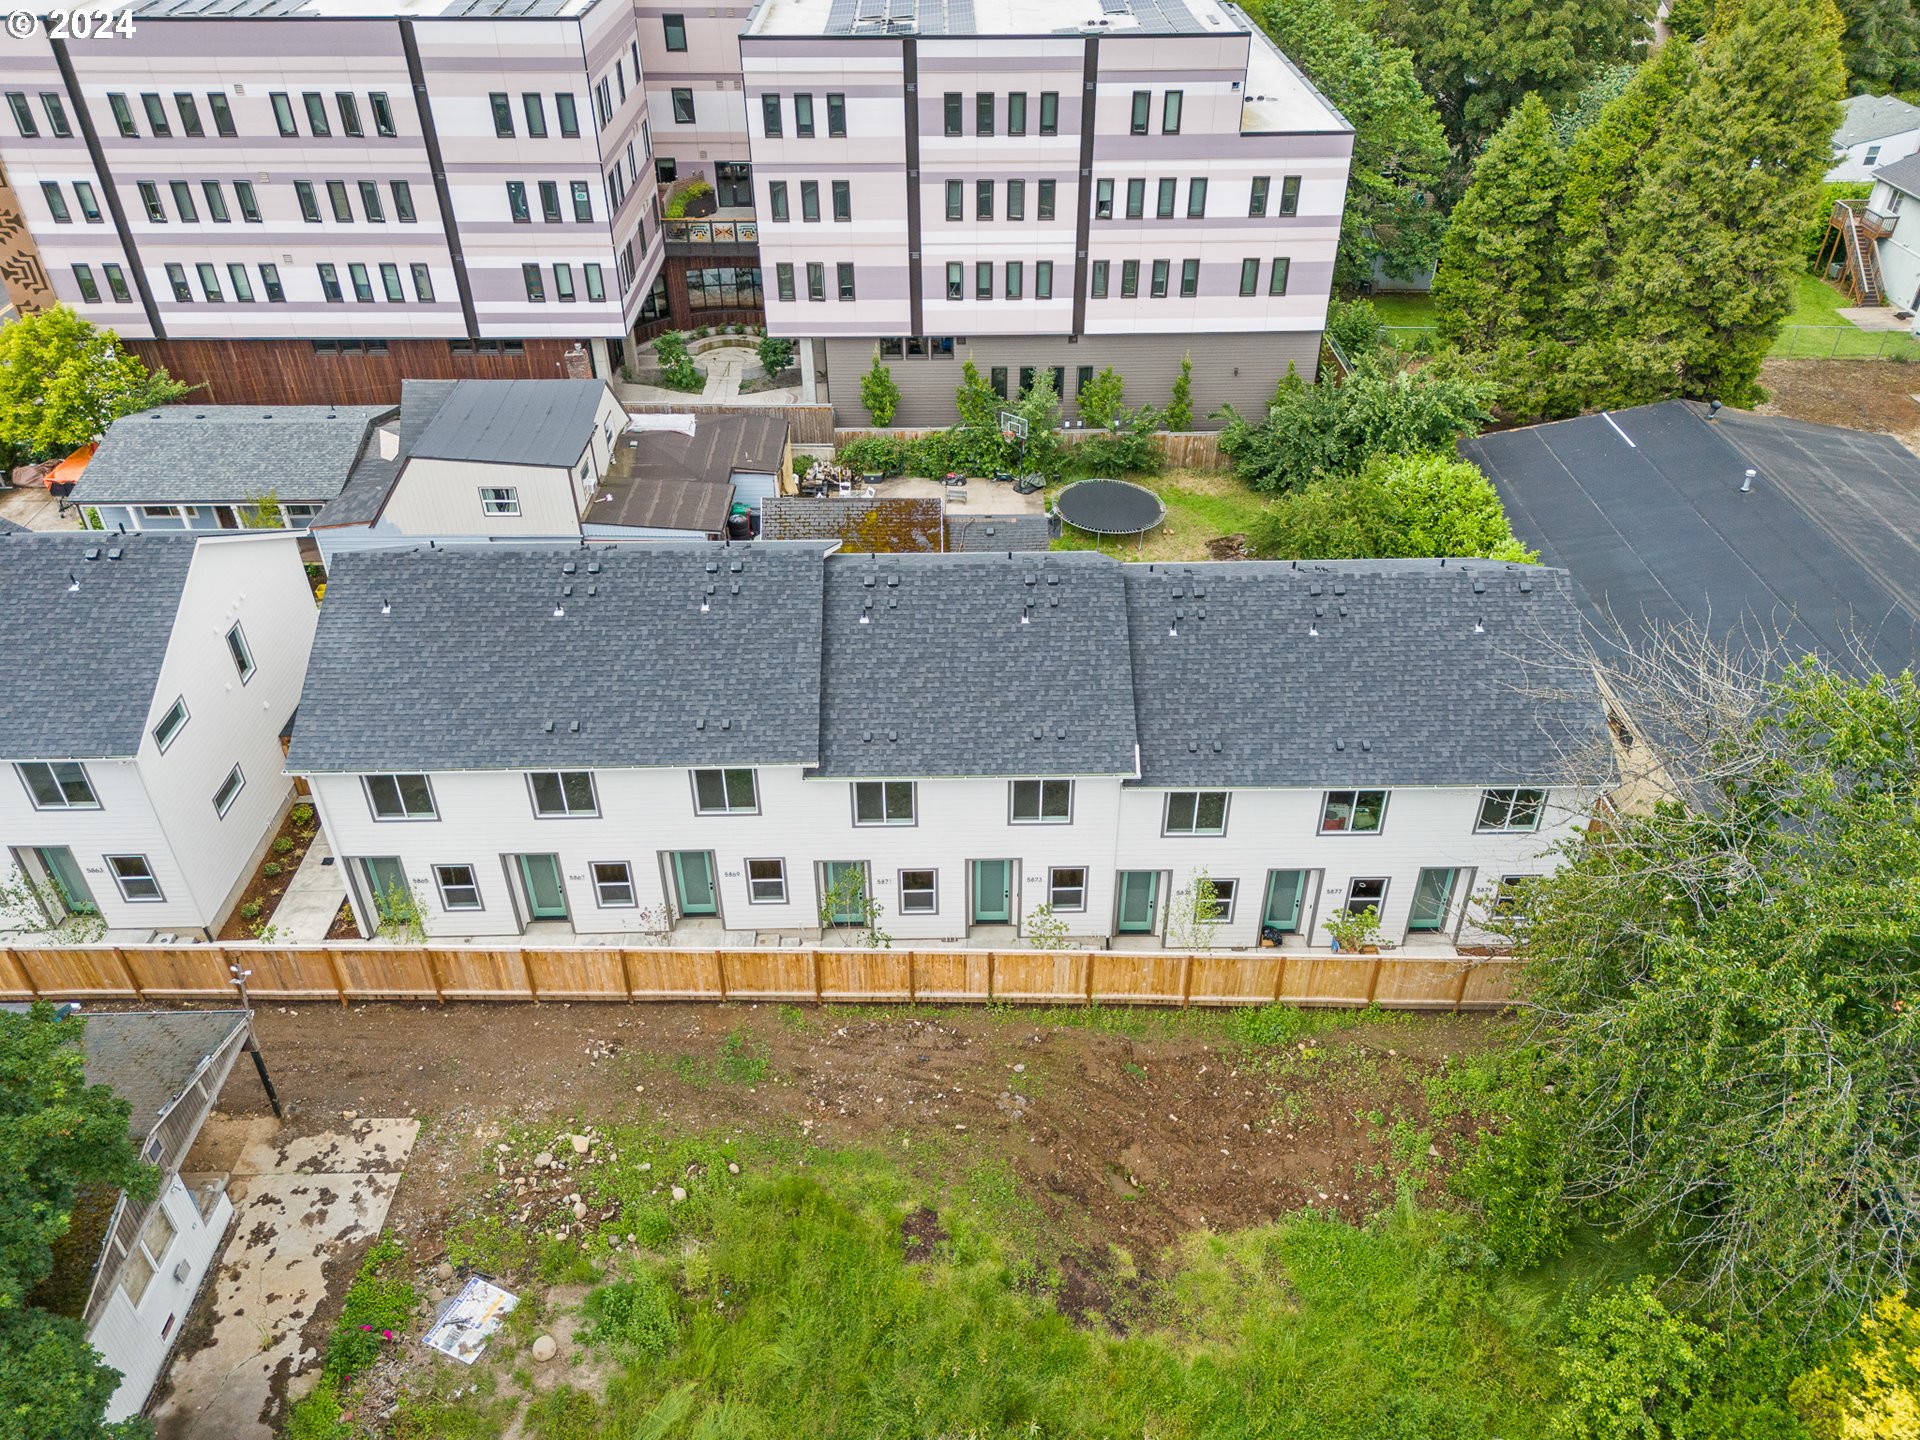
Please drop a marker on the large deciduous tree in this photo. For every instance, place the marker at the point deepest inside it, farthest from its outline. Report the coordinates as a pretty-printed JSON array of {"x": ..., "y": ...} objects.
[
  {"x": 1399, "y": 148},
  {"x": 63, "y": 381},
  {"x": 1395, "y": 506}
]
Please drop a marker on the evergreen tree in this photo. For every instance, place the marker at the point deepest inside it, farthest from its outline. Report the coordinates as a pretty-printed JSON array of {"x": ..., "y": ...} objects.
[
  {"x": 1881, "y": 45},
  {"x": 878, "y": 392},
  {"x": 1399, "y": 150},
  {"x": 1496, "y": 292},
  {"x": 979, "y": 407},
  {"x": 1179, "y": 412},
  {"x": 1711, "y": 243}
]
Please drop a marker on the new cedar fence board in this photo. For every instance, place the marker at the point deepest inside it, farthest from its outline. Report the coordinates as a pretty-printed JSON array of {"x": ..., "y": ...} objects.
[{"x": 347, "y": 972}]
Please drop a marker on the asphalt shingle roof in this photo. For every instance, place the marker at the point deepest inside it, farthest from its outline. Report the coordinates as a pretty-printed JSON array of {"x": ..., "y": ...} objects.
[
  {"x": 944, "y": 678},
  {"x": 513, "y": 422},
  {"x": 219, "y": 454},
  {"x": 1644, "y": 508},
  {"x": 372, "y": 478},
  {"x": 148, "y": 1057},
  {"x": 7, "y": 527},
  {"x": 998, "y": 532},
  {"x": 471, "y": 669},
  {"x": 1233, "y": 687},
  {"x": 80, "y": 665},
  {"x": 1873, "y": 117},
  {"x": 1903, "y": 174}
]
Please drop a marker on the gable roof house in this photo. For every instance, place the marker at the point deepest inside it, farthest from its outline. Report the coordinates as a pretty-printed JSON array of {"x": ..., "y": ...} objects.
[
  {"x": 966, "y": 736},
  {"x": 205, "y": 467},
  {"x": 1874, "y": 130},
  {"x": 148, "y": 677},
  {"x": 129, "y": 1271}
]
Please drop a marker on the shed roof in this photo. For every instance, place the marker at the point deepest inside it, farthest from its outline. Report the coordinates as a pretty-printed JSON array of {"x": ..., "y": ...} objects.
[
  {"x": 223, "y": 454},
  {"x": 697, "y": 506},
  {"x": 513, "y": 422},
  {"x": 1026, "y": 531},
  {"x": 149, "y": 1057},
  {"x": 890, "y": 524},
  {"x": 88, "y": 621}
]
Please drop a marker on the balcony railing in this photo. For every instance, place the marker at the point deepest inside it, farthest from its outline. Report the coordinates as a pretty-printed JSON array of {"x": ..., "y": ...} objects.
[{"x": 713, "y": 232}]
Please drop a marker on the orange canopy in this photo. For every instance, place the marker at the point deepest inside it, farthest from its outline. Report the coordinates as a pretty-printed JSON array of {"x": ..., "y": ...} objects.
[{"x": 71, "y": 468}]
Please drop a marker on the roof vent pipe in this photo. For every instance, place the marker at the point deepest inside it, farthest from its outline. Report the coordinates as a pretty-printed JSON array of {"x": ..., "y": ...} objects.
[
  {"x": 1713, "y": 409},
  {"x": 1746, "y": 482}
]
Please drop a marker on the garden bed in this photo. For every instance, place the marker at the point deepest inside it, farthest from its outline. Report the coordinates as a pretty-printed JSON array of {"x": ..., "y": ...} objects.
[{"x": 298, "y": 830}]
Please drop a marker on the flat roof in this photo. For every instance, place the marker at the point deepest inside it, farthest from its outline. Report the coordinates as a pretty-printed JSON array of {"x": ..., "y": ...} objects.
[
  {"x": 880, "y": 18},
  {"x": 1644, "y": 507},
  {"x": 359, "y": 9}
]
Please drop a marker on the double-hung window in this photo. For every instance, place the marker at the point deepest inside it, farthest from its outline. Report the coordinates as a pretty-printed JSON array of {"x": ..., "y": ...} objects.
[
  {"x": 1196, "y": 812},
  {"x": 1353, "y": 812},
  {"x": 135, "y": 877},
  {"x": 459, "y": 887},
  {"x": 1511, "y": 809},
  {"x": 613, "y": 885},
  {"x": 1067, "y": 887},
  {"x": 724, "y": 792},
  {"x": 400, "y": 797},
  {"x": 1042, "y": 802},
  {"x": 58, "y": 785},
  {"x": 767, "y": 882},
  {"x": 883, "y": 802},
  {"x": 563, "y": 793},
  {"x": 229, "y": 791},
  {"x": 919, "y": 892}
]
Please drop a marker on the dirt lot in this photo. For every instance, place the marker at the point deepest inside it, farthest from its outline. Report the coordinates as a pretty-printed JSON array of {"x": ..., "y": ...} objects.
[{"x": 1860, "y": 394}]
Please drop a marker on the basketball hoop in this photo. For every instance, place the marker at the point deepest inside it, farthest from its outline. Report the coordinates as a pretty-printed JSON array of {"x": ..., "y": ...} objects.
[{"x": 1013, "y": 425}]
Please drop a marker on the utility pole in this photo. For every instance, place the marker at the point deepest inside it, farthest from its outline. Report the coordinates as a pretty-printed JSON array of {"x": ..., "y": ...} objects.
[{"x": 239, "y": 983}]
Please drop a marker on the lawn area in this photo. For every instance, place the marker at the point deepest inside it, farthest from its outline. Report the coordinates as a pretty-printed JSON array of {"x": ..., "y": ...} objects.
[
  {"x": 1202, "y": 505},
  {"x": 1415, "y": 311}
]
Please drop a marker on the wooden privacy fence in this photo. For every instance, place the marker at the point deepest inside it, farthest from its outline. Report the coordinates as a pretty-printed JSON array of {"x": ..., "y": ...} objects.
[
  {"x": 345, "y": 972},
  {"x": 1184, "y": 450}
]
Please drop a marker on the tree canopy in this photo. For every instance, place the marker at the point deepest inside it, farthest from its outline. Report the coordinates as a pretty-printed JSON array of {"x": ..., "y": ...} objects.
[
  {"x": 1394, "y": 506},
  {"x": 63, "y": 381}
]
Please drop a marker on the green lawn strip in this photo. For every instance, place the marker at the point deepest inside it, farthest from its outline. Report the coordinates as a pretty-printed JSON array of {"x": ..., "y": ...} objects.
[{"x": 379, "y": 1312}]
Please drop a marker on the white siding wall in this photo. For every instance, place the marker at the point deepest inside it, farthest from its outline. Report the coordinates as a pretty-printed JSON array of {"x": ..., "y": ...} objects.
[
  {"x": 486, "y": 817},
  {"x": 1853, "y": 163},
  {"x": 442, "y": 498},
  {"x": 1900, "y": 251},
  {"x": 125, "y": 824}
]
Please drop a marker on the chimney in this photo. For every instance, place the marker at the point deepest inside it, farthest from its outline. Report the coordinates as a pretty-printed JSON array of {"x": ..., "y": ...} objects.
[{"x": 389, "y": 443}]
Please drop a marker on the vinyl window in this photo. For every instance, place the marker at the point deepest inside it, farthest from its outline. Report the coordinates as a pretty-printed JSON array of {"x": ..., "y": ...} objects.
[
  {"x": 222, "y": 114},
  {"x": 89, "y": 288},
  {"x": 836, "y": 116},
  {"x": 1277, "y": 285},
  {"x": 767, "y": 882},
  {"x": 1257, "y": 197},
  {"x": 1225, "y": 892},
  {"x": 1049, "y": 112},
  {"x": 1353, "y": 812},
  {"x": 229, "y": 791},
  {"x": 242, "y": 286},
  {"x": 803, "y": 116},
  {"x": 770, "y": 116},
  {"x": 1189, "y": 278},
  {"x": 1197, "y": 198},
  {"x": 843, "y": 200},
  {"x": 58, "y": 785},
  {"x": 1510, "y": 809},
  {"x": 156, "y": 115},
  {"x": 956, "y": 200},
  {"x": 1160, "y": 272},
  {"x": 1042, "y": 802},
  {"x": 362, "y": 283},
  {"x": 810, "y": 201},
  {"x": 816, "y": 280},
  {"x": 567, "y": 112},
  {"x": 156, "y": 1238},
  {"x": 1169, "y": 190},
  {"x": 783, "y": 280},
  {"x": 952, "y": 108},
  {"x": 724, "y": 792},
  {"x": 1196, "y": 812},
  {"x": 1290, "y": 195},
  {"x": 383, "y": 125},
  {"x": 1097, "y": 281},
  {"x": 1016, "y": 199},
  {"x": 209, "y": 282},
  {"x": 1046, "y": 199},
  {"x": 329, "y": 283},
  {"x": 349, "y": 109},
  {"x": 502, "y": 109},
  {"x": 844, "y": 275},
  {"x": 550, "y": 202},
  {"x": 1142, "y": 111},
  {"x": 613, "y": 885},
  {"x": 240, "y": 653},
  {"x": 56, "y": 202},
  {"x": 1170, "y": 108},
  {"x": 1017, "y": 113},
  {"x": 919, "y": 892},
  {"x": 137, "y": 885},
  {"x": 370, "y": 205},
  {"x": 983, "y": 108},
  {"x": 1249, "y": 276},
  {"x": 459, "y": 887},
  {"x": 1067, "y": 887},
  {"x": 338, "y": 199},
  {"x": 1136, "y": 199},
  {"x": 123, "y": 116},
  {"x": 316, "y": 112},
  {"x": 283, "y": 114},
  {"x": 983, "y": 199},
  {"x": 400, "y": 797},
  {"x": 883, "y": 802},
  {"x": 189, "y": 110},
  {"x": 309, "y": 203},
  {"x": 1103, "y": 199},
  {"x": 183, "y": 201},
  {"x": 558, "y": 793}
]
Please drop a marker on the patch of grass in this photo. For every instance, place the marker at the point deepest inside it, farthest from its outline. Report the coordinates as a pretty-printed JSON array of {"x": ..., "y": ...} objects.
[
  {"x": 377, "y": 1312},
  {"x": 489, "y": 1244},
  {"x": 739, "y": 1060},
  {"x": 1201, "y": 506},
  {"x": 1403, "y": 310}
]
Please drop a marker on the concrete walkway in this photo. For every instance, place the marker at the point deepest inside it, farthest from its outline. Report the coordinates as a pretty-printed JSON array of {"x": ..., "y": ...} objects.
[
  {"x": 35, "y": 507},
  {"x": 313, "y": 897},
  {"x": 725, "y": 366},
  {"x": 1873, "y": 317},
  {"x": 299, "y": 1203}
]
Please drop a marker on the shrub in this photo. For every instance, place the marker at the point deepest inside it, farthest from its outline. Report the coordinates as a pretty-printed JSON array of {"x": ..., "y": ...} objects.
[
  {"x": 874, "y": 455},
  {"x": 637, "y": 1312},
  {"x": 271, "y": 869},
  {"x": 802, "y": 464},
  {"x": 1397, "y": 507},
  {"x": 1354, "y": 325},
  {"x": 1632, "y": 1368},
  {"x": 283, "y": 844},
  {"x": 301, "y": 815},
  {"x": 702, "y": 332},
  {"x": 878, "y": 392},
  {"x": 380, "y": 1302},
  {"x": 250, "y": 910},
  {"x": 776, "y": 353},
  {"x": 693, "y": 190},
  {"x": 1099, "y": 399},
  {"x": 1179, "y": 414},
  {"x": 669, "y": 346},
  {"x": 1128, "y": 450}
]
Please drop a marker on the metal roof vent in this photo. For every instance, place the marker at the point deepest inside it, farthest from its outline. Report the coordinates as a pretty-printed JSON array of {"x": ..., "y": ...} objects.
[
  {"x": 1367, "y": 746},
  {"x": 1479, "y": 586},
  {"x": 115, "y": 553},
  {"x": 1340, "y": 745},
  {"x": 573, "y": 727},
  {"x": 568, "y": 568},
  {"x": 700, "y": 723},
  {"x": 93, "y": 552},
  {"x": 713, "y": 567},
  {"x": 1479, "y": 627},
  {"x": 566, "y": 589},
  {"x": 548, "y": 727},
  {"x": 1526, "y": 584},
  {"x": 73, "y": 583},
  {"x": 593, "y": 567},
  {"x": 386, "y": 607}
]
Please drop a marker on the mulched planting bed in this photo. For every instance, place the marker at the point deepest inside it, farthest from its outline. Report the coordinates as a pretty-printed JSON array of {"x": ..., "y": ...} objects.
[{"x": 264, "y": 890}]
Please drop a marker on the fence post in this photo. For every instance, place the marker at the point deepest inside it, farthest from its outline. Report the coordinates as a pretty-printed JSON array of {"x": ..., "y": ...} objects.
[
  {"x": 526, "y": 973},
  {"x": 816, "y": 975},
  {"x": 989, "y": 975},
  {"x": 1373, "y": 978},
  {"x": 127, "y": 971},
  {"x": 912, "y": 993},
  {"x": 433, "y": 975},
  {"x": 1460, "y": 990},
  {"x": 1279, "y": 973},
  {"x": 720, "y": 970},
  {"x": 333, "y": 966},
  {"x": 1186, "y": 981},
  {"x": 1091, "y": 956}
]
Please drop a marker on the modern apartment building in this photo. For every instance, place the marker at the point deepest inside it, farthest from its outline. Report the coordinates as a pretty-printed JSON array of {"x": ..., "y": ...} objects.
[
  {"x": 304, "y": 200},
  {"x": 1059, "y": 186}
]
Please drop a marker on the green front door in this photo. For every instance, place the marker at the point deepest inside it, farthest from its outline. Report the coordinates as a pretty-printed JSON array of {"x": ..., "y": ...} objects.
[
  {"x": 992, "y": 892},
  {"x": 1431, "y": 894},
  {"x": 387, "y": 886},
  {"x": 1285, "y": 891},
  {"x": 1139, "y": 890},
  {"x": 845, "y": 896},
  {"x": 693, "y": 882},
  {"x": 546, "y": 895},
  {"x": 64, "y": 871}
]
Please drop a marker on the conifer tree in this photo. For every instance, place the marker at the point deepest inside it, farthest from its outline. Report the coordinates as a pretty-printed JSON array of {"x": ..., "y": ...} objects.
[{"x": 1713, "y": 239}]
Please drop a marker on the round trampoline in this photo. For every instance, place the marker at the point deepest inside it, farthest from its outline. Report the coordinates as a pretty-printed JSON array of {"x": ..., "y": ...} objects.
[{"x": 1109, "y": 507}]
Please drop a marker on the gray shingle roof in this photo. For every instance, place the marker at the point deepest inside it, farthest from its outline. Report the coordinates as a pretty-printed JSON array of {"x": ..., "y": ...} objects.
[
  {"x": 1903, "y": 174},
  {"x": 147, "y": 1057},
  {"x": 997, "y": 532},
  {"x": 80, "y": 665},
  {"x": 472, "y": 670},
  {"x": 513, "y": 422},
  {"x": 1232, "y": 687},
  {"x": 7, "y": 527},
  {"x": 372, "y": 479},
  {"x": 218, "y": 454},
  {"x": 945, "y": 679},
  {"x": 1873, "y": 117}
]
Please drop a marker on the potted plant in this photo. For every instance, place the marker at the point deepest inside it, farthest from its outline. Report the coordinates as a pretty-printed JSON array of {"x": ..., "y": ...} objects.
[{"x": 1355, "y": 932}]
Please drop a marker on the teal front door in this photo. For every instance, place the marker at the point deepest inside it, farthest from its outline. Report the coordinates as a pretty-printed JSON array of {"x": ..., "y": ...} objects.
[
  {"x": 693, "y": 882},
  {"x": 546, "y": 895},
  {"x": 1285, "y": 891},
  {"x": 1432, "y": 893},
  {"x": 844, "y": 897},
  {"x": 1139, "y": 894},
  {"x": 68, "y": 882},
  {"x": 992, "y": 892},
  {"x": 386, "y": 881}
]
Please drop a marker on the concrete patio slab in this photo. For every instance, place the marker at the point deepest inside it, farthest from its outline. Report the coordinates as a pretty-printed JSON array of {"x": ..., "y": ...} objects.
[
  {"x": 300, "y": 1202},
  {"x": 1874, "y": 317},
  {"x": 35, "y": 507},
  {"x": 313, "y": 897}
]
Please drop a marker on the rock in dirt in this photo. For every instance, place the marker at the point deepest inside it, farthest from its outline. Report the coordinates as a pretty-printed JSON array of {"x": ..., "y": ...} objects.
[
  {"x": 443, "y": 1272},
  {"x": 579, "y": 1210},
  {"x": 733, "y": 1167},
  {"x": 543, "y": 1160},
  {"x": 679, "y": 1193},
  {"x": 545, "y": 1347},
  {"x": 581, "y": 1144}
]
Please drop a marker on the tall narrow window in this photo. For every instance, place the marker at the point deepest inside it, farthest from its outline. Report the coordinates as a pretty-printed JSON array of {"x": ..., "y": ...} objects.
[
  {"x": 309, "y": 205},
  {"x": 1161, "y": 268},
  {"x": 189, "y": 109},
  {"x": 983, "y": 280},
  {"x": 56, "y": 202},
  {"x": 422, "y": 283},
  {"x": 952, "y": 108},
  {"x": 1097, "y": 282},
  {"x": 1049, "y": 112},
  {"x": 1249, "y": 276},
  {"x": 1016, "y": 199},
  {"x": 240, "y": 653},
  {"x": 836, "y": 115},
  {"x": 563, "y": 283},
  {"x": 249, "y": 203},
  {"x": 1136, "y": 199},
  {"x": 956, "y": 279},
  {"x": 89, "y": 290},
  {"x": 1103, "y": 200},
  {"x": 816, "y": 280},
  {"x": 242, "y": 286},
  {"x": 1043, "y": 279},
  {"x": 1169, "y": 189},
  {"x": 283, "y": 113},
  {"x": 983, "y": 199},
  {"x": 216, "y": 201},
  {"x": 156, "y": 115},
  {"x": 783, "y": 280},
  {"x": 349, "y": 109},
  {"x": 23, "y": 120},
  {"x": 1129, "y": 279},
  {"x": 1278, "y": 284},
  {"x": 1142, "y": 111},
  {"x": 329, "y": 284},
  {"x": 568, "y": 114},
  {"x": 390, "y": 283},
  {"x": 1189, "y": 279},
  {"x": 1017, "y": 113},
  {"x": 803, "y": 116},
  {"x": 983, "y": 108},
  {"x": 270, "y": 284},
  {"x": 183, "y": 201},
  {"x": 675, "y": 27},
  {"x": 123, "y": 115},
  {"x": 777, "y": 201},
  {"x": 596, "y": 285},
  {"x": 550, "y": 202},
  {"x": 770, "y": 116},
  {"x": 316, "y": 112},
  {"x": 502, "y": 115},
  {"x": 337, "y": 198},
  {"x": 956, "y": 200},
  {"x": 1170, "y": 113},
  {"x": 1016, "y": 272},
  {"x": 402, "y": 202},
  {"x": 810, "y": 200},
  {"x": 177, "y": 282},
  {"x": 382, "y": 114},
  {"x": 582, "y": 202},
  {"x": 229, "y": 792},
  {"x": 517, "y": 202},
  {"x": 1197, "y": 198},
  {"x": 1045, "y": 206},
  {"x": 370, "y": 205},
  {"x": 1290, "y": 195},
  {"x": 1257, "y": 196},
  {"x": 362, "y": 282},
  {"x": 842, "y": 200},
  {"x": 536, "y": 287},
  {"x": 845, "y": 276}
]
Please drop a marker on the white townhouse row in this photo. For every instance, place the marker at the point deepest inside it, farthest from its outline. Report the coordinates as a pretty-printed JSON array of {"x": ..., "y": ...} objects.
[
  {"x": 614, "y": 740},
  {"x": 148, "y": 681}
]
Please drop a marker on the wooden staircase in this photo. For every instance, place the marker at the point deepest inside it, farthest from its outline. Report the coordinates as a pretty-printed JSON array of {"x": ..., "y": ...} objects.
[{"x": 1851, "y": 231}]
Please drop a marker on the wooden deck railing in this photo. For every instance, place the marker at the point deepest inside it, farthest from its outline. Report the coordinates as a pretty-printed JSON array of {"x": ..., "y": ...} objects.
[{"x": 347, "y": 972}]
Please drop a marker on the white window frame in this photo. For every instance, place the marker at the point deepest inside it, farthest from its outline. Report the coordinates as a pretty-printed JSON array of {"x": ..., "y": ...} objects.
[
  {"x": 163, "y": 736},
  {"x": 931, "y": 890},
  {"x": 404, "y": 818},
  {"x": 502, "y": 501},
  {"x": 53, "y": 768},
  {"x": 445, "y": 886},
  {"x": 1039, "y": 816},
  {"x": 1510, "y": 804},
  {"x": 237, "y": 778},
  {"x": 149, "y": 878},
  {"x": 241, "y": 653},
  {"x": 1353, "y": 806},
  {"x": 1195, "y": 828},
  {"x": 1054, "y": 888},
  {"x": 887, "y": 817},
  {"x": 727, "y": 807},
  {"x": 1222, "y": 905},
  {"x": 754, "y": 897},
  {"x": 566, "y": 811},
  {"x": 601, "y": 884},
  {"x": 143, "y": 1252}
]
